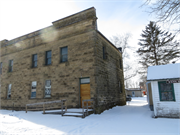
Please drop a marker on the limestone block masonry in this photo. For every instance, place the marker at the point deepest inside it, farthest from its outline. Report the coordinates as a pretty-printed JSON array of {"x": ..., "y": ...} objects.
[{"x": 90, "y": 55}]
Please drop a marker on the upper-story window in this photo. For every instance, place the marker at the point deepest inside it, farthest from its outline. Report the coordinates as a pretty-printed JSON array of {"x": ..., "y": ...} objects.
[
  {"x": 104, "y": 52},
  {"x": 34, "y": 60},
  {"x": 120, "y": 63},
  {"x": 0, "y": 68},
  {"x": 64, "y": 54},
  {"x": 120, "y": 87},
  {"x": 10, "y": 65},
  {"x": 48, "y": 58}
]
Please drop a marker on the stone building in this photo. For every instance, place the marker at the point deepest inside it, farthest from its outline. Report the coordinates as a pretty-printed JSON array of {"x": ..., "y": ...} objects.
[{"x": 62, "y": 61}]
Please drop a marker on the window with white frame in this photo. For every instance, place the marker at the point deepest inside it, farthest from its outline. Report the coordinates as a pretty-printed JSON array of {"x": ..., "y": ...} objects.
[
  {"x": 48, "y": 88},
  {"x": 9, "y": 91},
  {"x": 33, "y": 89}
]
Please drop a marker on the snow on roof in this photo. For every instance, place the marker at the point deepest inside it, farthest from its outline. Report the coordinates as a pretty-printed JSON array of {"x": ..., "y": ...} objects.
[{"x": 164, "y": 72}]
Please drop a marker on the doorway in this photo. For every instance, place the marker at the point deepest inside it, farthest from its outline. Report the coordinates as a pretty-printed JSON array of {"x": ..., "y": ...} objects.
[
  {"x": 133, "y": 94},
  {"x": 84, "y": 89}
]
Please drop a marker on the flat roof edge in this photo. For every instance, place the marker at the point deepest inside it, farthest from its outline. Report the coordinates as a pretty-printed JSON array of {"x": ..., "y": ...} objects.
[
  {"x": 162, "y": 79},
  {"x": 74, "y": 14}
]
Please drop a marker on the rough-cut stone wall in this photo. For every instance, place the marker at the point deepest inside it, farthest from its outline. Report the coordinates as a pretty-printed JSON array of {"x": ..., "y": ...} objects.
[
  {"x": 108, "y": 75},
  {"x": 85, "y": 59},
  {"x": 64, "y": 77}
]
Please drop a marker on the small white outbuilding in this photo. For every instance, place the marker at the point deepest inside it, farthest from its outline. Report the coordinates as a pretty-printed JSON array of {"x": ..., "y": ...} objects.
[{"x": 163, "y": 90}]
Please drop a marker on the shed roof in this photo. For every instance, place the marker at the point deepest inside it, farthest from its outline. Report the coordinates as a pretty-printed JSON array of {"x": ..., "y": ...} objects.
[{"x": 161, "y": 72}]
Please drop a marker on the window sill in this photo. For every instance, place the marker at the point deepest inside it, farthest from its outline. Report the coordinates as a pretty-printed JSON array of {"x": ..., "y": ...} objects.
[
  {"x": 167, "y": 101},
  {"x": 33, "y": 98},
  {"x": 63, "y": 62},
  {"x": 47, "y": 97},
  {"x": 48, "y": 65},
  {"x": 34, "y": 67}
]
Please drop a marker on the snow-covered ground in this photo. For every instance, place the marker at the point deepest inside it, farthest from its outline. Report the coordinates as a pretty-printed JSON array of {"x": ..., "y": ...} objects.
[{"x": 132, "y": 119}]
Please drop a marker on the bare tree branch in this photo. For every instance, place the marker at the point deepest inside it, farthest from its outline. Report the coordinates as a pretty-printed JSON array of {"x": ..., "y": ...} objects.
[
  {"x": 123, "y": 41},
  {"x": 166, "y": 11}
]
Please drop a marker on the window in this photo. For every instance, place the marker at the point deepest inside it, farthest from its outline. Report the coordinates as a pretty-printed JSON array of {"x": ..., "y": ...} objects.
[
  {"x": 33, "y": 89},
  {"x": 120, "y": 63},
  {"x": 0, "y": 68},
  {"x": 104, "y": 52},
  {"x": 34, "y": 60},
  {"x": 48, "y": 57},
  {"x": 9, "y": 91},
  {"x": 64, "y": 54},
  {"x": 166, "y": 91},
  {"x": 48, "y": 88},
  {"x": 85, "y": 80},
  {"x": 120, "y": 87},
  {"x": 10, "y": 65}
]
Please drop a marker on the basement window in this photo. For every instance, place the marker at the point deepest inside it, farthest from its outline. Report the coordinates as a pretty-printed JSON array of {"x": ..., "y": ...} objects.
[
  {"x": 166, "y": 91},
  {"x": 48, "y": 88},
  {"x": 33, "y": 89},
  {"x": 9, "y": 91}
]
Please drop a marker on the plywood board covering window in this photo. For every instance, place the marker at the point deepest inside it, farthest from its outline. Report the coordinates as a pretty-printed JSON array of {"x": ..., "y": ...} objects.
[
  {"x": 33, "y": 89},
  {"x": 48, "y": 88}
]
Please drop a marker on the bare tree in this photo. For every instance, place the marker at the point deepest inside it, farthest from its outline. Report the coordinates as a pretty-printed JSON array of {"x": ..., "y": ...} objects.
[
  {"x": 122, "y": 41},
  {"x": 166, "y": 11}
]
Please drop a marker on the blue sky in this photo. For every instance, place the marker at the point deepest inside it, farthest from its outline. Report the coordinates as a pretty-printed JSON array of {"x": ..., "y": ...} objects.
[{"x": 20, "y": 17}]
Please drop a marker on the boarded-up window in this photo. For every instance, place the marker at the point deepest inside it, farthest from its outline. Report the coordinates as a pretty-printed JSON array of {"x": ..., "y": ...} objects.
[
  {"x": 166, "y": 91},
  {"x": 33, "y": 89},
  {"x": 48, "y": 88},
  {"x": 9, "y": 91}
]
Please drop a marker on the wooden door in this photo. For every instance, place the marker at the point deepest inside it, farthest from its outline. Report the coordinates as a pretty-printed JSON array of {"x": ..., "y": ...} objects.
[{"x": 85, "y": 92}]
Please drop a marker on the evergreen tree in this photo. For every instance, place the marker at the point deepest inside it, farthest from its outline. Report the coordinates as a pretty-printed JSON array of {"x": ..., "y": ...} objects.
[{"x": 157, "y": 47}]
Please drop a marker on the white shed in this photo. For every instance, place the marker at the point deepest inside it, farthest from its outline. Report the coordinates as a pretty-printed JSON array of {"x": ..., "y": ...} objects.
[{"x": 163, "y": 90}]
